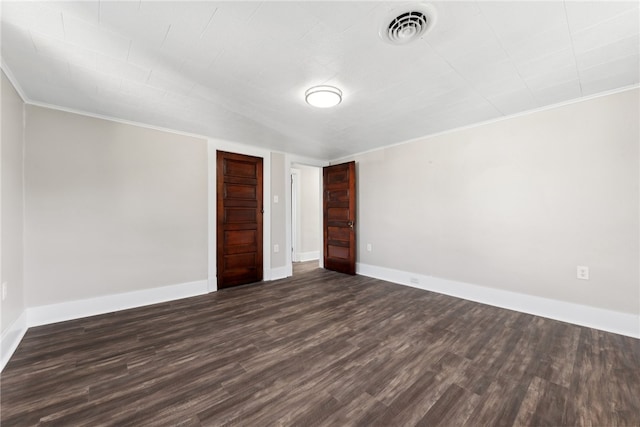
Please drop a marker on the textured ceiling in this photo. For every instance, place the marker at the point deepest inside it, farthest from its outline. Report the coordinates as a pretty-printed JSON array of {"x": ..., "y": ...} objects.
[{"x": 239, "y": 70}]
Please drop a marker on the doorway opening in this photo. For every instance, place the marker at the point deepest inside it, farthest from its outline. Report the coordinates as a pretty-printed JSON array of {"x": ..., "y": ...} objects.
[{"x": 306, "y": 218}]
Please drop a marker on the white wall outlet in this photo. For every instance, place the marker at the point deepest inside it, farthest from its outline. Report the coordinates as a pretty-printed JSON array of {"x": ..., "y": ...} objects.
[
  {"x": 369, "y": 247},
  {"x": 582, "y": 272},
  {"x": 4, "y": 291},
  {"x": 276, "y": 248},
  {"x": 275, "y": 199}
]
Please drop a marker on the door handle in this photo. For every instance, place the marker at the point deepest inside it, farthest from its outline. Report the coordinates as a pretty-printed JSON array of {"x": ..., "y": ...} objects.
[{"x": 350, "y": 224}]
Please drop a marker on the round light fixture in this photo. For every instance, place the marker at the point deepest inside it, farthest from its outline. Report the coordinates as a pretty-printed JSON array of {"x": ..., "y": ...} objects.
[{"x": 323, "y": 96}]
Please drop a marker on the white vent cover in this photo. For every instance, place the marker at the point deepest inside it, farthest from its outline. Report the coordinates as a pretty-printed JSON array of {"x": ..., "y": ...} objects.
[{"x": 407, "y": 25}]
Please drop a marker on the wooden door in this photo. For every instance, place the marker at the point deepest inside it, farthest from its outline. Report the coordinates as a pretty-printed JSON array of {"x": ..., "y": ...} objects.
[
  {"x": 339, "y": 207},
  {"x": 239, "y": 219}
]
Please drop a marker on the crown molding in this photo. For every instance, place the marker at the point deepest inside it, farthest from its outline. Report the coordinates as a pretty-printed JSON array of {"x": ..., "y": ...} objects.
[{"x": 488, "y": 122}]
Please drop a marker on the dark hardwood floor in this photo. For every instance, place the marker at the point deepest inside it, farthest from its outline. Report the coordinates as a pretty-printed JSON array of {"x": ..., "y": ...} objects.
[
  {"x": 304, "y": 267},
  {"x": 321, "y": 348}
]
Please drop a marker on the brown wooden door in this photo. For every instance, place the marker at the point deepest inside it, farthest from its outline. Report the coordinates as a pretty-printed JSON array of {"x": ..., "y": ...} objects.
[
  {"x": 239, "y": 219},
  {"x": 339, "y": 207}
]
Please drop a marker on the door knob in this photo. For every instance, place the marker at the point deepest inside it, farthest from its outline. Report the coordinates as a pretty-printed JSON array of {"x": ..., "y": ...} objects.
[{"x": 350, "y": 223}]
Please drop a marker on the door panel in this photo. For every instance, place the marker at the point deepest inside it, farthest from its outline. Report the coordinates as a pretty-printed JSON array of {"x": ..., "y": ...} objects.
[
  {"x": 240, "y": 191},
  {"x": 241, "y": 237},
  {"x": 338, "y": 252},
  {"x": 240, "y": 168},
  {"x": 240, "y": 216},
  {"x": 339, "y": 196},
  {"x": 339, "y": 212},
  {"x": 239, "y": 219},
  {"x": 337, "y": 233},
  {"x": 239, "y": 261}
]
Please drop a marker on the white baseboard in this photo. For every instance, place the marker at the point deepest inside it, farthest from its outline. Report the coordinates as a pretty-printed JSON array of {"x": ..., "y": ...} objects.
[
  {"x": 70, "y": 310},
  {"x": 212, "y": 284},
  {"x": 11, "y": 338},
  {"x": 279, "y": 273},
  {"x": 308, "y": 256},
  {"x": 45, "y": 314},
  {"x": 606, "y": 320}
]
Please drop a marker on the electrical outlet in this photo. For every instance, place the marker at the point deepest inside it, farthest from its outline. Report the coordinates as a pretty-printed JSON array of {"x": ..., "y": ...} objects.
[
  {"x": 275, "y": 199},
  {"x": 276, "y": 248},
  {"x": 582, "y": 272},
  {"x": 4, "y": 291},
  {"x": 369, "y": 247}
]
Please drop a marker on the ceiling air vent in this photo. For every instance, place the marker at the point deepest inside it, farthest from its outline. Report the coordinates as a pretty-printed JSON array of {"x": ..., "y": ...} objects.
[{"x": 408, "y": 25}]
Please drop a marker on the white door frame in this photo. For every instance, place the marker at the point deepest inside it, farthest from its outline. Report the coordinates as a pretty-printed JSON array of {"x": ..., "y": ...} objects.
[
  {"x": 289, "y": 161},
  {"x": 295, "y": 215},
  {"x": 212, "y": 146}
]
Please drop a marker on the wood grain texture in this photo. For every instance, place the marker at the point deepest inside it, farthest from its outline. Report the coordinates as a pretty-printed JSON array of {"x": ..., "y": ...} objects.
[
  {"x": 239, "y": 219},
  {"x": 321, "y": 348},
  {"x": 339, "y": 216}
]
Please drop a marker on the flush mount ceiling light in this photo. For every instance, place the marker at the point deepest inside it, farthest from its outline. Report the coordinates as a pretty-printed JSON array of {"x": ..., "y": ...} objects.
[
  {"x": 403, "y": 26},
  {"x": 323, "y": 96}
]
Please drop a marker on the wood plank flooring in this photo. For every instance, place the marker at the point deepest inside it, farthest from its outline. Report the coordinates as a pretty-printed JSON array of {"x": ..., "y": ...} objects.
[{"x": 321, "y": 348}]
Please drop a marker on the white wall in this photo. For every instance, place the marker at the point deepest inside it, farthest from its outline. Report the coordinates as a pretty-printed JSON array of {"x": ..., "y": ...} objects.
[
  {"x": 110, "y": 208},
  {"x": 116, "y": 215},
  {"x": 514, "y": 205},
  {"x": 11, "y": 267},
  {"x": 278, "y": 223}
]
